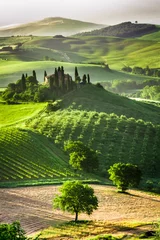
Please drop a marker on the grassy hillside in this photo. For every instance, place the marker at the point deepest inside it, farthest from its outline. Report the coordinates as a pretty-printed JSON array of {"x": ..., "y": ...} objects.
[
  {"x": 36, "y": 52},
  {"x": 27, "y": 155},
  {"x": 32, "y": 147},
  {"x": 125, "y": 29},
  {"x": 49, "y": 27},
  {"x": 17, "y": 114},
  {"x": 90, "y": 118},
  {"x": 11, "y": 71}
]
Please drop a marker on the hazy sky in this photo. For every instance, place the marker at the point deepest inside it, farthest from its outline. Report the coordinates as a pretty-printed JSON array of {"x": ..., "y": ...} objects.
[{"x": 98, "y": 11}]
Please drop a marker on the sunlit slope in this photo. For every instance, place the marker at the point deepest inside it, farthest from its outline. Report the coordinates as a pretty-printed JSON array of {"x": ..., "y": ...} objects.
[
  {"x": 28, "y": 155},
  {"x": 93, "y": 98},
  {"x": 89, "y": 115},
  {"x": 49, "y": 27},
  {"x": 17, "y": 114},
  {"x": 11, "y": 71},
  {"x": 117, "y": 52}
]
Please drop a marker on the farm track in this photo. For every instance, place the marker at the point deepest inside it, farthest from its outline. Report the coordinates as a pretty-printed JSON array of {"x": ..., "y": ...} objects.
[{"x": 32, "y": 206}]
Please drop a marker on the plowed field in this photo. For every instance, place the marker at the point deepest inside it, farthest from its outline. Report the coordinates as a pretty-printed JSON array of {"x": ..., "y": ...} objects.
[{"x": 32, "y": 206}]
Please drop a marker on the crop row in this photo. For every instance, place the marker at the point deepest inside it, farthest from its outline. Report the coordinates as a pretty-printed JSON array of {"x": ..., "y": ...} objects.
[
  {"x": 114, "y": 138},
  {"x": 24, "y": 155}
]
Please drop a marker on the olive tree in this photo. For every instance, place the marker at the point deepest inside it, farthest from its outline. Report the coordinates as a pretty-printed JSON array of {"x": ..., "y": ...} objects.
[
  {"x": 124, "y": 175},
  {"x": 76, "y": 198}
]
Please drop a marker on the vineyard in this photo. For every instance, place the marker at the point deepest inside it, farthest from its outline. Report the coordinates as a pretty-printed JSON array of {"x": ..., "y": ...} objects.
[
  {"x": 28, "y": 155},
  {"x": 32, "y": 140},
  {"x": 115, "y": 139}
]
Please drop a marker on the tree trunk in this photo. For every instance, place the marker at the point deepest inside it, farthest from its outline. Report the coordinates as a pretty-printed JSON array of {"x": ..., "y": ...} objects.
[{"x": 76, "y": 218}]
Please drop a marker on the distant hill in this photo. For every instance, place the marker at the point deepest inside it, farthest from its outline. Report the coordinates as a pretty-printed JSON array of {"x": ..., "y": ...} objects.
[
  {"x": 125, "y": 30},
  {"x": 49, "y": 27}
]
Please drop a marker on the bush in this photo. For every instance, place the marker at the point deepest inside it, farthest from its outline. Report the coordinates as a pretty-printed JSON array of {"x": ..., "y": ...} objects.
[
  {"x": 125, "y": 175},
  {"x": 52, "y": 107}
]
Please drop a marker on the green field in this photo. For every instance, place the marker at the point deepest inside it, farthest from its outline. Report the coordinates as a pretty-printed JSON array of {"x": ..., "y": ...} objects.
[
  {"x": 116, "y": 52},
  {"x": 17, "y": 114},
  {"x": 90, "y": 114},
  {"x": 11, "y": 71}
]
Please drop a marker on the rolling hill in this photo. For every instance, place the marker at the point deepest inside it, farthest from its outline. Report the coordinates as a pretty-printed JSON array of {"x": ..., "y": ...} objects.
[
  {"x": 117, "y": 128},
  {"x": 124, "y": 30},
  {"x": 50, "y": 27}
]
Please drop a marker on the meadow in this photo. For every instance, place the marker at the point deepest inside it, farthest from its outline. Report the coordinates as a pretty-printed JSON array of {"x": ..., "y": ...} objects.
[{"x": 88, "y": 53}]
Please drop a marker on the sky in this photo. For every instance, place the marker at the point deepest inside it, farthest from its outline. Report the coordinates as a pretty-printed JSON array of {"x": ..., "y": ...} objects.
[{"x": 108, "y": 12}]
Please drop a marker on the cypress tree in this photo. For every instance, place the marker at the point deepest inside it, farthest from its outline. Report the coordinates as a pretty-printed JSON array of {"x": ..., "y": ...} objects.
[
  {"x": 45, "y": 75},
  {"x": 76, "y": 74},
  {"x": 23, "y": 83},
  {"x": 88, "y": 78},
  {"x": 34, "y": 75},
  {"x": 84, "y": 79},
  {"x": 62, "y": 78},
  {"x": 56, "y": 77}
]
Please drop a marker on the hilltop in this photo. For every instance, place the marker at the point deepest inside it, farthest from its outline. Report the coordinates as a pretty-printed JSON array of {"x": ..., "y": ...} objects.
[
  {"x": 124, "y": 30},
  {"x": 49, "y": 27}
]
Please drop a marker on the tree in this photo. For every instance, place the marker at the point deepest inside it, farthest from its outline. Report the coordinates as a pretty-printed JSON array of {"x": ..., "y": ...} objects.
[
  {"x": 81, "y": 156},
  {"x": 34, "y": 75},
  {"x": 84, "y": 79},
  {"x": 76, "y": 198},
  {"x": 23, "y": 83},
  {"x": 13, "y": 231},
  {"x": 76, "y": 74},
  {"x": 45, "y": 75},
  {"x": 88, "y": 78},
  {"x": 124, "y": 175}
]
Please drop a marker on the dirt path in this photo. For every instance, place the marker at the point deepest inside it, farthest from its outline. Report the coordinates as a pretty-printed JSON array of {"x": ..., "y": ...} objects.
[{"x": 32, "y": 206}]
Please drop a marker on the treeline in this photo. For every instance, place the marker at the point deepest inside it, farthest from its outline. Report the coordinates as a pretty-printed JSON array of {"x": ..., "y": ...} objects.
[
  {"x": 149, "y": 89},
  {"x": 118, "y": 86},
  {"x": 142, "y": 71},
  {"x": 28, "y": 88}
]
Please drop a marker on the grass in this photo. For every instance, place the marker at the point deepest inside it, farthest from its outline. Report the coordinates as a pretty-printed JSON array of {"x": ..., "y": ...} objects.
[
  {"x": 11, "y": 71},
  {"x": 80, "y": 51},
  {"x": 93, "y": 230},
  {"x": 90, "y": 114},
  {"x": 17, "y": 114},
  {"x": 25, "y": 155}
]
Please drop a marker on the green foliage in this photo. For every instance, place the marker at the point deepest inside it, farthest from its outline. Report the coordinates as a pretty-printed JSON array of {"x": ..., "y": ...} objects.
[
  {"x": 51, "y": 107},
  {"x": 12, "y": 231},
  {"x": 124, "y": 175},
  {"x": 81, "y": 156},
  {"x": 152, "y": 93},
  {"x": 76, "y": 198}
]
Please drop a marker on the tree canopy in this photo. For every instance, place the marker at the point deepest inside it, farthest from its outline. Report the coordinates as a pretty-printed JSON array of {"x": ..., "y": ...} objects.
[
  {"x": 124, "y": 175},
  {"x": 76, "y": 198},
  {"x": 81, "y": 156}
]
